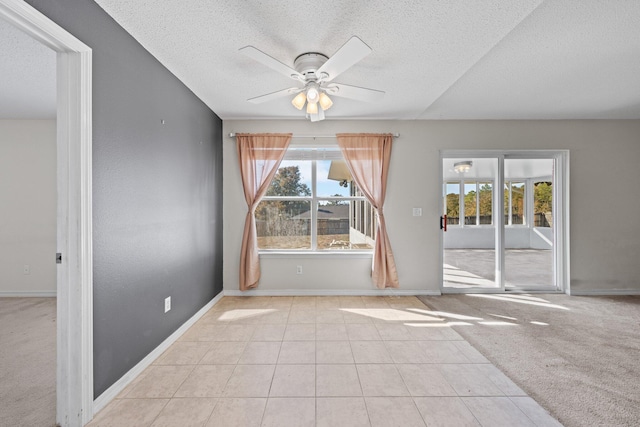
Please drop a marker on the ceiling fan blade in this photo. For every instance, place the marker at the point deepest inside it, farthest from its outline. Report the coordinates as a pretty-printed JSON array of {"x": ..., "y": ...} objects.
[
  {"x": 274, "y": 95},
  {"x": 350, "y": 53},
  {"x": 271, "y": 62},
  {"x": 354, "y": 92}
]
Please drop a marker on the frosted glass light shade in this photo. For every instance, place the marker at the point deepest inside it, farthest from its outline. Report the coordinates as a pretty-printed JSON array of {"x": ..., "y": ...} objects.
[
  {"x": 299, "y": 100},
  {"x": 325, "y": 101},
  {"x": 312, "y": 108}
]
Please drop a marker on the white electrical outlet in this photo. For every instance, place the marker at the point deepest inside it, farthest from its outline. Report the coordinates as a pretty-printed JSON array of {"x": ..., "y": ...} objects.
[
  {"x": 26, "y": 269},
  {"x": 167, "y": 304},
  {"x": 299, "y": 269},
  {"x": 417, "y": 211}
]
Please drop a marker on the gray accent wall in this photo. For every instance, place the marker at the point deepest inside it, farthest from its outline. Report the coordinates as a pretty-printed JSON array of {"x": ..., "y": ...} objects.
[{"x": 157, "y": 193}]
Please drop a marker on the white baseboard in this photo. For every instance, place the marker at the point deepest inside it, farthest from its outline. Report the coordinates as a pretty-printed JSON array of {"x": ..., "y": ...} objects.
[
  {"x": 109, "y": 394},
  {"x": 26, "y": 294},
  {"x": 604, "y": 292},
  {"x": 328, "y": 292}
]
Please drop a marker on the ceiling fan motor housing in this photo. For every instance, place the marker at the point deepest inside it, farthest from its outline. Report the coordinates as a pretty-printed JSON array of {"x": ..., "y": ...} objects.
[{"x": 308, "y": 63}]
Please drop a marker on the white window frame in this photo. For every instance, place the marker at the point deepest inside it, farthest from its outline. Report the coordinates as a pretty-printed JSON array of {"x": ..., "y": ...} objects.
[{"x": 314, "y": 153}]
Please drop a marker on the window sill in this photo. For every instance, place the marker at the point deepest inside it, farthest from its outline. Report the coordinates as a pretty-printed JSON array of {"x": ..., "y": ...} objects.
[{"x": 316, "y": 254}]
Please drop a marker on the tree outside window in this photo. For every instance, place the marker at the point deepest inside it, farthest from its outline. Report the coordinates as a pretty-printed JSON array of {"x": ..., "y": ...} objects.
[
  {"x": 305, "y": 210},
  {"x": 452, "y": 202},
  {"x": 485, "y": 202},
  {"x": 478, "y": 200},
  {"x": 514, "y": 196},
  {"x": 543, "y": 204}
]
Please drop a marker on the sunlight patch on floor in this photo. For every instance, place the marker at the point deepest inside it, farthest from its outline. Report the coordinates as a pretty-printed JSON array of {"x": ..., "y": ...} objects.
[
  {"x": 238, "y": 314},
  {"x": 437, "y": 325},
  {"x": 455, "y": 280},
  {"x": 459, "y": 324},
  {"x": 503, "y": 317},
  {"x": 518, "y": 299},
  {"x": 496, "y": 323},
  {"x": 445, "y": 314},
  {"x": 391, "y": 314},
  {"x": 502, "y": 320}
]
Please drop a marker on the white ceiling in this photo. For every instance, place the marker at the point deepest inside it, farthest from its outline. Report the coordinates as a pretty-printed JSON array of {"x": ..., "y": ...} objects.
[
  {"x": 495, "y": 59},
  {"x": 27, "y": 76},
  {"x": 487, "y": 168}
]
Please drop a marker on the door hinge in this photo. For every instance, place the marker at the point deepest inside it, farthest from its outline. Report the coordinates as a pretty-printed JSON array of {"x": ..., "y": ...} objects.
[{"x": 58, "y": 258}]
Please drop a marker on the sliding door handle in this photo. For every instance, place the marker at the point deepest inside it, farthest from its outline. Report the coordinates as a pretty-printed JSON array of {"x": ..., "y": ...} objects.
[{"x": 443, "y": 223}]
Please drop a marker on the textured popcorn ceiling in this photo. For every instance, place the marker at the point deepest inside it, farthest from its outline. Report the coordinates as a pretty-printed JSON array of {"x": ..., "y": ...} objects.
[{"x": 491, "y": 59}]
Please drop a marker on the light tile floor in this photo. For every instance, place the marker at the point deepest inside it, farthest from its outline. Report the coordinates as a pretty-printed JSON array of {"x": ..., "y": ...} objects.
[{"x": 322, "y": 361}]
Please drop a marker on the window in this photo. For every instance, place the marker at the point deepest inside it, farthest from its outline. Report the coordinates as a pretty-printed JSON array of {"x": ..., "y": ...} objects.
[
  {"x": 542, "y": 204},
  {"x": 452, "y": 202},
  {"x": 312, "y": 204},
  {"x": 514, "y": 197},
  {"x": 470, "y": 203},
  {"x": 485, "y": 202},
  {"x": 477, "y": 202}
]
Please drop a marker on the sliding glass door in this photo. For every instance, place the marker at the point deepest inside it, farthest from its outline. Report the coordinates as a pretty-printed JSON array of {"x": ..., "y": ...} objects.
[
  {"x": 470, "y": 240},
  {"x": 528, "y": 220},
  {"x": 502, "y": 221}
]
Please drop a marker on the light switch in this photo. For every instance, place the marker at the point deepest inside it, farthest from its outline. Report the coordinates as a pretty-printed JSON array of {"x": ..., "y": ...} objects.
[{"x": 417, "y": 211}]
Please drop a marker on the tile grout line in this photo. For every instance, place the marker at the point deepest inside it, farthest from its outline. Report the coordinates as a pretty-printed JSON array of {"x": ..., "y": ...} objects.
[{"x": 376, "y": 326}]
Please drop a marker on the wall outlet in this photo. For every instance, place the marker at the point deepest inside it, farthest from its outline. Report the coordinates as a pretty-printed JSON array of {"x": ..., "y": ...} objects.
[
  {"x": 167, "y": 304},
  {"x": 299, "y": 269},
  {"x": 417, "y": 211},
  {"x": 26, "y": 269}
]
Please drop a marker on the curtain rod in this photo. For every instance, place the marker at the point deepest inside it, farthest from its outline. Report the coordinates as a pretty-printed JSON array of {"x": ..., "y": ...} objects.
[{"x": 233, "y": 135}]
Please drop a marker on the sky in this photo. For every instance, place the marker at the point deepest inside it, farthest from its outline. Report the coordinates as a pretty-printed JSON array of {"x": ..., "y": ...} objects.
[{"x": 325, "y": 186}]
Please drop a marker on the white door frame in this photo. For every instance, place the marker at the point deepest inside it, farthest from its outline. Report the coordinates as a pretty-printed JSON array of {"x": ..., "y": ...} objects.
[
  {"x": 74, "y": 367},
  {"x": 560, "y": 212}
]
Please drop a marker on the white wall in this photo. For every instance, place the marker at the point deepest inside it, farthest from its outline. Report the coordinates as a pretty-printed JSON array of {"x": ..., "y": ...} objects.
[
  {"x": 27, "y": 207},
  {"x": 604, "y": 202},
  {"x": 484, "y": 237}
]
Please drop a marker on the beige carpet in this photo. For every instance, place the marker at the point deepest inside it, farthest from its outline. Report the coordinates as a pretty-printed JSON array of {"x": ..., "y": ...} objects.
[
  {"x": 579, "y": 357},
  {"x": 28, "y": 362}
]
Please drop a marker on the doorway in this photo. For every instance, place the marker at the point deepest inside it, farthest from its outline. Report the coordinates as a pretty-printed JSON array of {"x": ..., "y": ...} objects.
[
  {"x": 74, "y": 346},
  {"x": 503, "y": 221},
  {"x": 28, "y": 229}
]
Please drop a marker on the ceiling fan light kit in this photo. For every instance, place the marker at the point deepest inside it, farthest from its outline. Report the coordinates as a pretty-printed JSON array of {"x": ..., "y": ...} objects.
[
  {"x": 316, "y": 71},
  {"x": 312, "y": 92},
  {"x": 325, "y": 101},
  {"x": 312, "y": 108},
  {"x": 299, "y": 100},
  {"x": 312, "y": 96}
]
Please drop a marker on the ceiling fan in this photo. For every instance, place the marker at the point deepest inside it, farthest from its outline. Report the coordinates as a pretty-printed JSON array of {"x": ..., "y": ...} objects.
[{"x": 316, "y": 72}]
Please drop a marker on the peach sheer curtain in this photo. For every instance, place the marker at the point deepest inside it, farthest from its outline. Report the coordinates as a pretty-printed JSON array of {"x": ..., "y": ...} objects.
[
  {"x": 259, "y": 155},
  {"x": 367, "y": 156}
]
